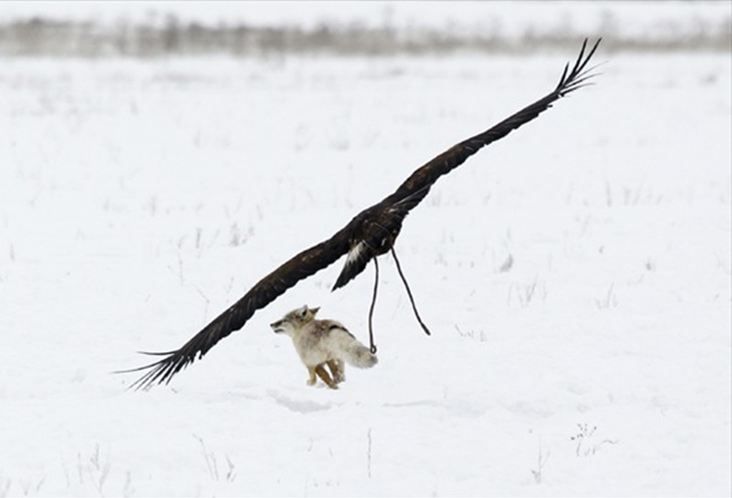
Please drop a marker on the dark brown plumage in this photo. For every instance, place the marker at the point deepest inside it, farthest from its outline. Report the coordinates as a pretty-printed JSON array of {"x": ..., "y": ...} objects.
[{"x": 370, "y": 233}]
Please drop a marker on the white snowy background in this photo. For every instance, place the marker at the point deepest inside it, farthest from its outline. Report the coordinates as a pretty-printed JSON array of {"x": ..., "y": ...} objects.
[{"x": 575, "y": 275}]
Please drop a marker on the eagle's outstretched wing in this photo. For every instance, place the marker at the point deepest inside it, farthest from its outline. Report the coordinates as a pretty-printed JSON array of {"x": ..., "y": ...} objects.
[
  {"x": 388, "y": 215},
  {"x": 416, "y": 187},
  {"x": 264, "y": 292}
]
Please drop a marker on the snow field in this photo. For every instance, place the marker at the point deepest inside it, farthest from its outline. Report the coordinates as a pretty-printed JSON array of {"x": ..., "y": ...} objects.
[{"x": 139, "y": 199}]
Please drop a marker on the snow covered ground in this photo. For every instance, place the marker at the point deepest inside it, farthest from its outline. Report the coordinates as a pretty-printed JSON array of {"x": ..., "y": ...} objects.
[{"x": 139, "y": 199}]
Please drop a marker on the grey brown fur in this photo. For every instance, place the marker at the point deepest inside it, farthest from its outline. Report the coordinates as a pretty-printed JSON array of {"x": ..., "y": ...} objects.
[{"x": 321, "y": 343}]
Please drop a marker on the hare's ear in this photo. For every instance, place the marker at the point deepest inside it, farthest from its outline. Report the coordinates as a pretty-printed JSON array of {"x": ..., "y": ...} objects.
[
  {"x": 303, "y": 312},
  {"x": 314, "y": 311}
]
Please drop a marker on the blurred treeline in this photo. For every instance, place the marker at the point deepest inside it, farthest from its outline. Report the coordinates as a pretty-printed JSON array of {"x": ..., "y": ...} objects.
[{"x": 46, "y": 37}]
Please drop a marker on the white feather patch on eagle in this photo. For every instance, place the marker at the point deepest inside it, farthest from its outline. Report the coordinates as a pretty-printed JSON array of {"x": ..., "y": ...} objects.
[{"x": 355, "y": 253}]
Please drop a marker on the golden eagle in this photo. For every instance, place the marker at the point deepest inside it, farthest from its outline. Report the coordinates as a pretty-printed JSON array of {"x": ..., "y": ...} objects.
[{"x": 370, "y": 233}]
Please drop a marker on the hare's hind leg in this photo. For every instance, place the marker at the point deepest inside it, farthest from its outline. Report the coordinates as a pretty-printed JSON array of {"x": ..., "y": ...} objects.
[
  {"x": 323, "y": 374},
  {"x": 337, "y": 369}
]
